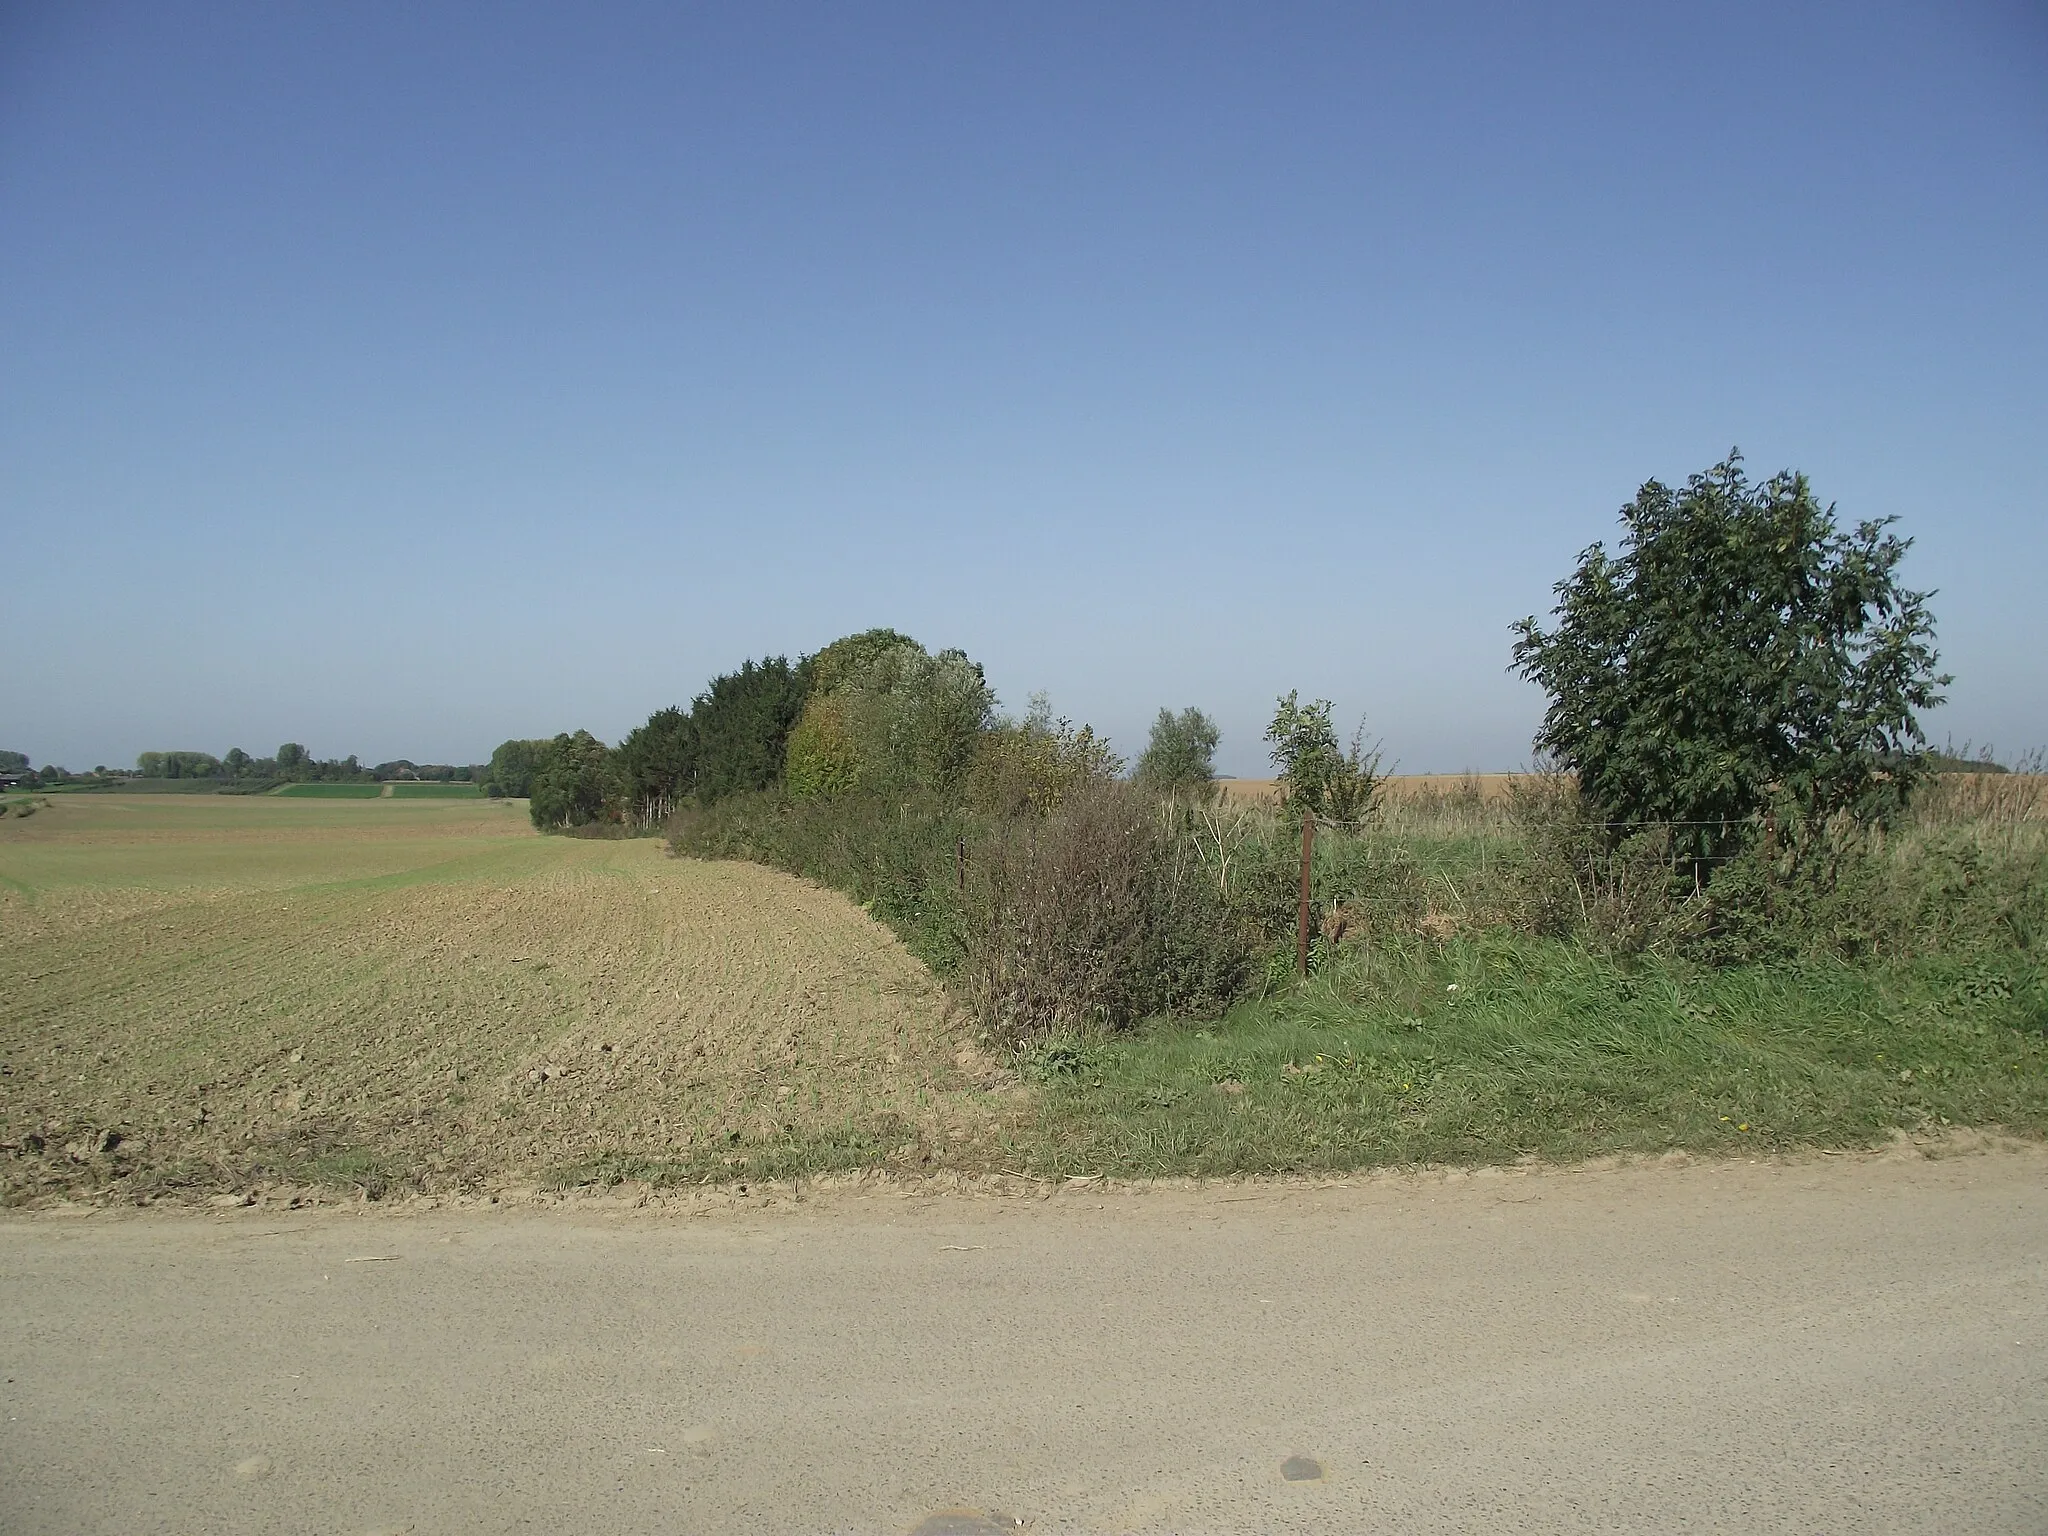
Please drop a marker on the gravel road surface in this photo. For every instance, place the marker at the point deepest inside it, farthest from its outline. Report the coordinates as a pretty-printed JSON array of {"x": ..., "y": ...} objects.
[{"x": 1852, "y": 1344}]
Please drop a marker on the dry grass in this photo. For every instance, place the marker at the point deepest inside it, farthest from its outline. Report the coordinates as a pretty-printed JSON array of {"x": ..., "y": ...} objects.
[
  {"x": 1396, "y": 788},
  {"x": 1979, "y": 799},
  {"x": 426, "y": 995}
]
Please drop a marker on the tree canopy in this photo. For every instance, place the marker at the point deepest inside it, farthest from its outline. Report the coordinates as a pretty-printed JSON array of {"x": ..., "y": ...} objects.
[
  {"x": 510, "y": 772},
  {"x": 1740, "y": 653},
  {"x": 572, "y": 782},
  {"x": 1181, "y": 754},
  {"x": 742, "y": 725},
  {"x": 1317, "y": 776}
]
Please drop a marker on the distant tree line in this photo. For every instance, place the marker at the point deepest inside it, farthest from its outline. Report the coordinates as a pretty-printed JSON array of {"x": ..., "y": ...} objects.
[
  {"x": 875, "y": 713},
  {"x": 291, "y": 764},
  {"x": 235, "y": 771}
]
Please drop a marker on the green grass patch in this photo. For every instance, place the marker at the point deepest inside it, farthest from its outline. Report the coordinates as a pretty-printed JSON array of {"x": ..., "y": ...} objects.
[
  {"x": 1489, "y": 1051},
  {"x": 423, "y": 790},
  {"x": 147, "y": 787},
  {"x": 332, "y": 791}
]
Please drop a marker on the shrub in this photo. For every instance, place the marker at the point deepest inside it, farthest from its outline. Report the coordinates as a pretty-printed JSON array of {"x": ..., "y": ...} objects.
[
  {"x": 1574, "y": 878},
  {"x": 823, "y": 757},
  {"x": 1093, "y": 915},
  {"x": 1034, "y": 766},
  {"x": 1098, "y": 915},
  {"x": 1876, "y": 899},
  {"x": 897, "y": 858}
]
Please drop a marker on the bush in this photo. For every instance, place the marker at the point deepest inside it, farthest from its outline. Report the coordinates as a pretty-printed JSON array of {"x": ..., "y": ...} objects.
[
  {"x": 1098, "y": 915},
  {"x": 897, "y": 858},
  {"x": 1874, "y": 900},
  {"x": 1094, "y": 915},
  {"x": 1573, "y": 878},
  {"x": 1036, "y": 765}
]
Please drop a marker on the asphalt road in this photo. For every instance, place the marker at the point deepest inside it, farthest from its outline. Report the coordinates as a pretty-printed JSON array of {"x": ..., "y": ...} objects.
[{"x": 1842, "y": 1345}]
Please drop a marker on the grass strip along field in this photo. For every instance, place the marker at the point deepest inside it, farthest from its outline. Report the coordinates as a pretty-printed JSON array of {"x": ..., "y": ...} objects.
[
  {"x": 426, "y": 790},
  {"x": 331, "y": 792},
  {"x": 1489, "y": 1051},
  {"x": 213, "y": 993}
]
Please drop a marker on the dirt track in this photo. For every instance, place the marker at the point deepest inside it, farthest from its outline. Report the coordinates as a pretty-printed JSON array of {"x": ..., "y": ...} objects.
[{"x": 1855, "y": 1344}]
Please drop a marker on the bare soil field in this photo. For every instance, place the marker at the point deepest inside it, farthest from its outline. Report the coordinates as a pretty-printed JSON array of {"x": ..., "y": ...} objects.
[{"x": 224, "y": 994}]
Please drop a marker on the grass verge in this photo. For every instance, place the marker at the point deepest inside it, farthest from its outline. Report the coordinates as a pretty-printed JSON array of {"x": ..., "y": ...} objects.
[{"x": 1493, "y": 1051}]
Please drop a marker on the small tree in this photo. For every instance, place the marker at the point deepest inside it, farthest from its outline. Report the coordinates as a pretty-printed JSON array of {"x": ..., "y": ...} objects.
[
  {"x": 657, "y": 763},
  {"x": 509, "y": 775},
  {"x": 1317, "y": 776},
  {"x": 573, "y": 783},
  {"x": 1181, "y": 756},
  {"x": 1740, "y": 654}
]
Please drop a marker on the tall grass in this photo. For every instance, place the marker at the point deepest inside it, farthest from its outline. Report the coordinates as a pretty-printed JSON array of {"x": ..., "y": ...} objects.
[{"x": 1114, "y": 906}]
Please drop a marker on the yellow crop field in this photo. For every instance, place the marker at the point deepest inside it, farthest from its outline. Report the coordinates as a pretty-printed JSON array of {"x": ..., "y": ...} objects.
[
  {"x": 216, "y": 993},
  {"x": 1395, "y": 788}
]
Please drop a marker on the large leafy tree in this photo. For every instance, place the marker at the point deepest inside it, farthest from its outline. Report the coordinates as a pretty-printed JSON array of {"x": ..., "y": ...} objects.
[
  {"x": 573, "y": 782},
  {"x": 1741, "y": 654},
  {"x": 886, "y": 716}
]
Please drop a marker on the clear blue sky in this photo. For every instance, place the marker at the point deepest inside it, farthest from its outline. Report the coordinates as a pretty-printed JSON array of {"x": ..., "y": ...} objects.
[{"x": 400, "y": 378}]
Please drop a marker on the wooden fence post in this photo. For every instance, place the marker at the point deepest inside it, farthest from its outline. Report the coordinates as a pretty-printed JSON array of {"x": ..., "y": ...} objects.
[{"x": 1308, "y": 843}]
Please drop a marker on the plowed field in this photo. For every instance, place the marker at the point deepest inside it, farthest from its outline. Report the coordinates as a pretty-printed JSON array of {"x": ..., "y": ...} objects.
[{"x": 214, "y": 994}]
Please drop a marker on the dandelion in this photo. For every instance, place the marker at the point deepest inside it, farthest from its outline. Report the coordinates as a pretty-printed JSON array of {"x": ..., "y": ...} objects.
[{"x": 1743, "y": 1127}]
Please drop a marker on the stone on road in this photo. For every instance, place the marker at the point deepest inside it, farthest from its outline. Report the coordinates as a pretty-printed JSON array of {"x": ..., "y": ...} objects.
[{"x": 1852, "y": 1344}]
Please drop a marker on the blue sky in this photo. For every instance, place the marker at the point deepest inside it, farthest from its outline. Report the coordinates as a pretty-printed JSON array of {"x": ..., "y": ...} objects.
[{"x": 397, "y": 379}]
